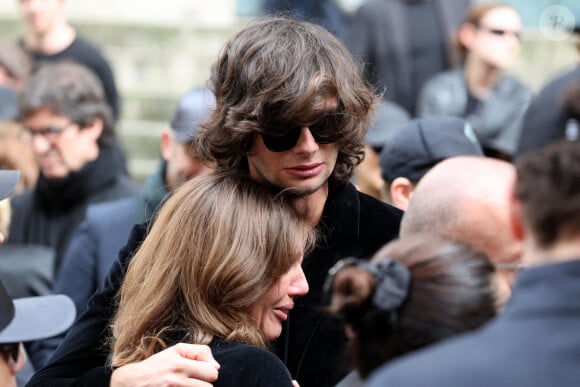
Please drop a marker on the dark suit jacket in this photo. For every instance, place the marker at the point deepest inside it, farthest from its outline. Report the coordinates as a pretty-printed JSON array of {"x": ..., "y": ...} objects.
[
  {"x": 94, "y": 246},
  {"x": 535, "y": 342},
  {"x": 379, "y": 37}
]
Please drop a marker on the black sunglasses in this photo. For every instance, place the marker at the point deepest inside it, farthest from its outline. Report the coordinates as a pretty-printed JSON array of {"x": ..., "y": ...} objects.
[
  {"x": 325, "y": 131},
  {"x": 10, "y": 350}
]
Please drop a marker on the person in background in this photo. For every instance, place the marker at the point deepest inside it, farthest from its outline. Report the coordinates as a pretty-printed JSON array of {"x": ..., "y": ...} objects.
[
  {"x": 416, "y": 148},
  {"x": 222, "y": 264},
  {"x": 465, "y": 198},
  {"x": 403, "y": 43},
  {"x": 554, "y": 114},
  {"x": 406, "y": 298},
  {"x": 480, "y": 91},
  {"x": 180, "y": 161},
  {"x": 70, "y": 128},
  {"x": 291, "y": 113},
  {"x": 388, "y": 120},
  {"x": 534, "y": 342},
  {"x": 49, "y": 37},
  {"x": 96, "y": 242}
]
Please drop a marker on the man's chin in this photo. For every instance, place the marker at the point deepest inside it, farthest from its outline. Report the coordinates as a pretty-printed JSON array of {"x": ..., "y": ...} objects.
[{"x": 301, "y": 191}]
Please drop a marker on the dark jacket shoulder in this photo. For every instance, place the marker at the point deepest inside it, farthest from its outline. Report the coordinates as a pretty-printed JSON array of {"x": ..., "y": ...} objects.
[{"x": 246, "y": 365}]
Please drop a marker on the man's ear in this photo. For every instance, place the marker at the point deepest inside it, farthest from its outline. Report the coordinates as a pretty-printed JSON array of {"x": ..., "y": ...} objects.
[
  {"x": 401, "y": 192},
  {"x": 95, "y": 128},
  {"x": 516, "y": 215},
  {"x": 166, "y": 143}
]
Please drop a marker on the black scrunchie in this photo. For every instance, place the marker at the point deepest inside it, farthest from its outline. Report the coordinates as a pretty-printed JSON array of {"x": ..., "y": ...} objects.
[{"x": 393, "y": 281}]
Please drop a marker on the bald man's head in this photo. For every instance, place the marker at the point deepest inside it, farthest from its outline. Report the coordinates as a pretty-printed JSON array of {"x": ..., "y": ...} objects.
[{"x": 467, "y": 199}]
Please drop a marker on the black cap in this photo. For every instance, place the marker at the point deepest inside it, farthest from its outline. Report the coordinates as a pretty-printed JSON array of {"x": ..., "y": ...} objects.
[
  {"x": 424, "y": 142},
  {"x": 193, "y": 110},
  {"x": 388, "y": 120}
]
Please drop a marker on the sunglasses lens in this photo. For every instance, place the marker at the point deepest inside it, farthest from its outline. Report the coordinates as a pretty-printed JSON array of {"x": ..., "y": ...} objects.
[
  {"x": 281, "y": 143},
  {"x": 326, "y": 131}
]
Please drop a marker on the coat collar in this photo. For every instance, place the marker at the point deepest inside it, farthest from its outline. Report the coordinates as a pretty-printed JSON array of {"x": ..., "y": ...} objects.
[
  {"x": 341, "y": 215},
  {"x": 549, "y": 289}
]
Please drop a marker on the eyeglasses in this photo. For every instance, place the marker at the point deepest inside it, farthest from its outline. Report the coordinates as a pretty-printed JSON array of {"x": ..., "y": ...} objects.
[
  {"x": 325, "y": 131},
  {"x": 499, "y": 31},
  {"x": 50, "y": 133},
  {"x": 10, "y": 351}
]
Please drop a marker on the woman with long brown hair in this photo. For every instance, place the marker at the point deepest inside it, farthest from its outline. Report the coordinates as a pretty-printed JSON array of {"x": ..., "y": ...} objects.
[{"x": 220, "y": 266}]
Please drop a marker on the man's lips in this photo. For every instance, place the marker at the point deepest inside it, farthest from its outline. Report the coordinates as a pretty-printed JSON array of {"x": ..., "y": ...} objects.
[{"x": 305, "y": 170}]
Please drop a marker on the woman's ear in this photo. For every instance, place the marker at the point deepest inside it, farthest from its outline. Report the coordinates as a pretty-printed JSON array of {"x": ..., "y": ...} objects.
[{"x": 466, "y": 35}]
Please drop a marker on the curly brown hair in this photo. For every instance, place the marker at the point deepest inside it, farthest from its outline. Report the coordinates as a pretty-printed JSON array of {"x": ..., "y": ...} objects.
[{"x": 284, "y": 69}]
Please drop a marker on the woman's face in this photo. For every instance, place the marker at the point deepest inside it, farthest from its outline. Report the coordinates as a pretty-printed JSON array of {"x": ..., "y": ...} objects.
[
  {"x": 272, "y": 309},
  {"x": 495, "y": 39}
]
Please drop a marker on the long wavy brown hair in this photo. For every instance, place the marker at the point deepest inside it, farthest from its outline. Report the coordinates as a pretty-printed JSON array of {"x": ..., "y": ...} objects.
[
  {"x": 217, "y": 245},
  {"x": 282, "y": 69}
]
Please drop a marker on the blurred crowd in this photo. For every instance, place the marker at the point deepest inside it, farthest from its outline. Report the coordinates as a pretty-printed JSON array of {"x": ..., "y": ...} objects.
[{"x": 346, "y": 191}]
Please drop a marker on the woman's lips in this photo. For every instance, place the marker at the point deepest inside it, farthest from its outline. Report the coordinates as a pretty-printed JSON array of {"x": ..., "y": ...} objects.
[
  {"x": 283, "y": 311},
  {"x": 305, "y": 170}
]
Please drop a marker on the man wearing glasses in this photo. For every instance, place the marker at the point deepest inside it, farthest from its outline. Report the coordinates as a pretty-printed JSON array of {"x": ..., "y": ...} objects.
[
  {"x": 291, "y": 111},
  {"x": 70, "y": 128},
  {"x": 66, "y": 118}
]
